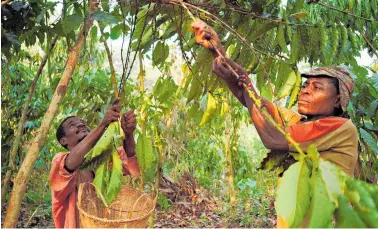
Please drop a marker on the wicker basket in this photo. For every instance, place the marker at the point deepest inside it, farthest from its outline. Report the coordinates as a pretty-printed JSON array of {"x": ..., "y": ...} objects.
[{"x": 131, "y": 209}]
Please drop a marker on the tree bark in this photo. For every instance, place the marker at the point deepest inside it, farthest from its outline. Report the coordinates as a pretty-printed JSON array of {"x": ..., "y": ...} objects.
[
  {"x": 14, "y": 206},
  {"x": 18, "y": 134}
]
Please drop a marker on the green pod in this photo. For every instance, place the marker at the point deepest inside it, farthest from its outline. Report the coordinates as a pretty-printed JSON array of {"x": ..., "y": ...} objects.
[{"x": 346, "y": 217}]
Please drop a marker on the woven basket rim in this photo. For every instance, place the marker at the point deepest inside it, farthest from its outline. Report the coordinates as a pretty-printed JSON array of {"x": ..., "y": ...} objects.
[{"x": 115, "y": 220}]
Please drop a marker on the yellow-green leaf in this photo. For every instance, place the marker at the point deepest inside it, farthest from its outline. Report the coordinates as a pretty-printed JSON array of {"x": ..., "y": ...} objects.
[
  {"x": 115, "y": 182},
  {"x": 293, "y": 196},
  {"x": 300, "y": 15},
  {"x": 322, "y": 207},
  {"x": 210, "y": 109},
  {"x": 106, "y": 139},
  {"x": 296, "y": 89},
  {"x": 144, "y": 153},
  {"x": 346, "y": 217},
  {"x": 100, "y": 173},
  {"x": 281, "y": 39},
  {"x": 288, "y": 85},
  {"x": 224, "y": 109}
]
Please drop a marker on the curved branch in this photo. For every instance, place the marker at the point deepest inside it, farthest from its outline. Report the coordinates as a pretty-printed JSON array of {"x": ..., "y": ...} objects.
[{"x": 370, "y": 45}]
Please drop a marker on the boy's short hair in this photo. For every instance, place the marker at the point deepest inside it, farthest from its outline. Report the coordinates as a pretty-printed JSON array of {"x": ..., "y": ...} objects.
[{"x": 60, "y": 131}]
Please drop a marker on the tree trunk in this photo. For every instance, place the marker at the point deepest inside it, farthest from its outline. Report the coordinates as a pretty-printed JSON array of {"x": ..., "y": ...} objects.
[
  {"x": 14, "y": 206},
  {"x": 227, "y": 149},
  {"x": 18, "y": 134}
]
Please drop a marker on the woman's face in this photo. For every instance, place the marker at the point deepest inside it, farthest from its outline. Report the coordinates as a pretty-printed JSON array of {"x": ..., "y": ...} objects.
[{"x": 318, "y": 97}]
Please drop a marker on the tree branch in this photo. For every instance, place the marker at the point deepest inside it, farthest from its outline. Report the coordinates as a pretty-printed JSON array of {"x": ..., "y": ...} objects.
[{"x": 370, "y": 45}]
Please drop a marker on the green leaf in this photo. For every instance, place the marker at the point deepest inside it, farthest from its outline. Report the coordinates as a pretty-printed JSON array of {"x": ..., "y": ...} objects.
[
  {"x": 100, "y": 173},
  {"x": 273, "y": 160},
  {"x": 294, "y": 46},
  {"x": 281, "y": 39},
  {"x": 288, "y": 85},
  {"x": 370, "y": 141},
  {"x": 260, "y": 73},
  {"x": 362, "y": 202},
  {"x": 144, "y": 153},
  {"x": 106, "y": 140},
  {"x": 41, "y": 16},
  {"x": 296, "y": 89},
  {"x": 141, "y": 18},
  {"x": 164, "y": 89},
  {"x": 195, "y": 89},
  {"x": 41, "y": 36},
  {"x": 71, "y": 23},
  {"x": 195, "y": 112},
  {"x": 261, "y": 29},
  {"x": 322, "y": 207},
  {"x": 293, "y": 196},
  {"x": 224, "y": 109},
  {"x": 94, "y": 32},
  {"x": 104, "y": 17},
  {"x": 266, "y": 92},
  {"x": 12, "y": 38},
  {"x": 346, "y": 217},
  {"x": 115, "y": 182},
  {"x": 283, "y": 75},
  {"x": 375, "y": 80},
  {"x": 58, "y": 29},
  {"x": 116, "y": 31},
  {"x": 372, "y": 108},
  {"x": 160, "y": 54},
  {"x": 333, "y": 179}
]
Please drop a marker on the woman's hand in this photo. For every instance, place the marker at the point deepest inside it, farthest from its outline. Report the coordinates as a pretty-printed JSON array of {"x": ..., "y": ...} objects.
[{"x": 207, "y": 37}]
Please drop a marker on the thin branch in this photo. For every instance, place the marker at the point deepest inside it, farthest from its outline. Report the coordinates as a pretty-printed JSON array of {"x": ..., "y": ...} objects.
[
  {"x": 370, "y": 45},
  {"x": 112, "y": 70},
  {"x": 138, "y": 45},
  {"x": 125, "y": 65}
]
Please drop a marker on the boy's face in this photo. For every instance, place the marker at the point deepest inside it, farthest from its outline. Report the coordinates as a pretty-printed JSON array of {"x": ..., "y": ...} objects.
[{"x": 75, "y": 130}]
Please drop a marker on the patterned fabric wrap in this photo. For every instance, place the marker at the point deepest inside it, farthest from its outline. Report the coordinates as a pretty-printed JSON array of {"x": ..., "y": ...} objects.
[{"x": 346, "y": 82}]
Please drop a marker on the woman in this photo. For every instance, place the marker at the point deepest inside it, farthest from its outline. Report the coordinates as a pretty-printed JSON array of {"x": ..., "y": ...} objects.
[{"x": 322, "y": 104}]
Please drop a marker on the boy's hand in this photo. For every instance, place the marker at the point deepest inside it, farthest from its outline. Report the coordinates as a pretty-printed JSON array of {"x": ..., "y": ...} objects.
[
  {"x": 113, "y": 113},
  {"x": 206, "y": 36},
  {"x": 128, "y": 123}
]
